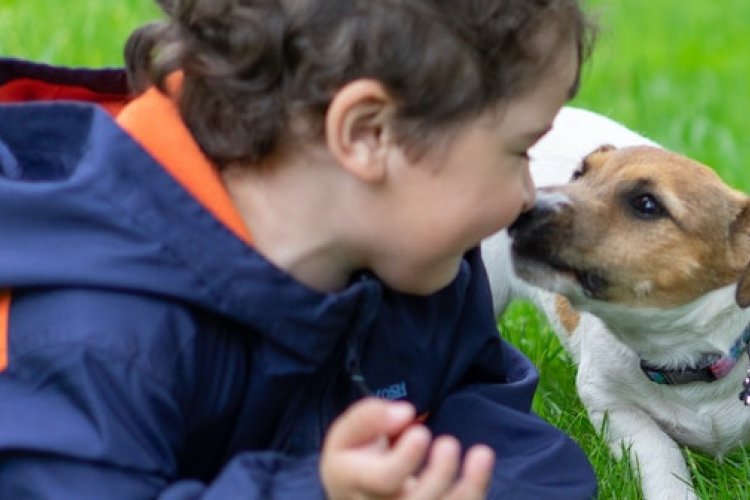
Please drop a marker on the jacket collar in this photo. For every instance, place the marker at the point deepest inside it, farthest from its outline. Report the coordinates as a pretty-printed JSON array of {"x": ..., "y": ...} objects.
[{"x": 153, "y": 121}]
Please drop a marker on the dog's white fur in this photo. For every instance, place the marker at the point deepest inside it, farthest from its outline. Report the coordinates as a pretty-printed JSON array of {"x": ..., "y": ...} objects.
[{"x": 649, "y": 419}]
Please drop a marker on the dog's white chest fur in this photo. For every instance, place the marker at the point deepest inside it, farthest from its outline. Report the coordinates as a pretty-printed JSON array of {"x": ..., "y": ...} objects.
[{"x": 701, "y": 415}]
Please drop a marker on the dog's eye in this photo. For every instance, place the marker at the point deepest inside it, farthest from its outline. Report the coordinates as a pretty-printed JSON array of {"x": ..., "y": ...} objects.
[
  {"x": 647, "y": 206},
  {"x": 580, "y": 171}
]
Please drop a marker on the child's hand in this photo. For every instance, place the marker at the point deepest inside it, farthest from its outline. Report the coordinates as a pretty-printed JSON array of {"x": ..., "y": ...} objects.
[{"x": 374, "y": 450}]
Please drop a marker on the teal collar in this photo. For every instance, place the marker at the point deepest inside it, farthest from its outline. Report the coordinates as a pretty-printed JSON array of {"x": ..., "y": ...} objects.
[{"x": 710, "y": 367}]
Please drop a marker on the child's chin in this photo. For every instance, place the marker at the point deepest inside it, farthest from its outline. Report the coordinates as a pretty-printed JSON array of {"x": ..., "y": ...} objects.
[{"x": 425, "y": 283}]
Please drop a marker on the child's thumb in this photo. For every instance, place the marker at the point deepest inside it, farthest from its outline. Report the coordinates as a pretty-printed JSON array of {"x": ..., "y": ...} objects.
[{"x": 368, "y": 419}]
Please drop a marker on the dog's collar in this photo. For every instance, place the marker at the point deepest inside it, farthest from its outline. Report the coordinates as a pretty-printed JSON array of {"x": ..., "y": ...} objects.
[{"x": 710, "y": 366}]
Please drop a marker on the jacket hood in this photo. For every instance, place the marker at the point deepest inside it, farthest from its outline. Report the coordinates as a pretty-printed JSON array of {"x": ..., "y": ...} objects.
[{"x": 83, "y": 204}]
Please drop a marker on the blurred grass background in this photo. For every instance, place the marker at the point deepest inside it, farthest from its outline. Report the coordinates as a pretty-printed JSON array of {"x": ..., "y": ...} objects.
[
  {"x": 672, "y": 70},
  {"x": 678, "y": 72},
  {"x": 72, "y": 32}
]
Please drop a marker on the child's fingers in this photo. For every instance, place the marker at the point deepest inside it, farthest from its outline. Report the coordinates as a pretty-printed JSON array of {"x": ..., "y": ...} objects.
[
  {"x": 368, "y": 419},
  {"x": 476, "y": 475},
  {"x": 440, "y": 472},
  {"x": 391, "y": 472},
  {"x": 357, "y": 455}
]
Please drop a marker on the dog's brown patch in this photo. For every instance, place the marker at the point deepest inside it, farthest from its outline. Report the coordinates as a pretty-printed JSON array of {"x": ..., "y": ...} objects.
[{"x": 569, "y": 317}]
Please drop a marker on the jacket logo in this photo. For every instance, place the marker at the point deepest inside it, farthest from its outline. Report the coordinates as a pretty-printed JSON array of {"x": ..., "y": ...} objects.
[{"x": 393, "y": 391}]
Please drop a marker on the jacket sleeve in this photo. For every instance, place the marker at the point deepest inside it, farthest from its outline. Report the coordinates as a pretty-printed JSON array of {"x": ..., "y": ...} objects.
[
  {"x": 93, "y": 406},
  {"x": 492, "y": 405},
  {"x": 256, "y": 475},
  {"x": 83, "y": 424},
  {"x": 533, "y": 459}
]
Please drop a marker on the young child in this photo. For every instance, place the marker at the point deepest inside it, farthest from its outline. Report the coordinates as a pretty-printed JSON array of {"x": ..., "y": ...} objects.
[{"x": 200, "y": 281}]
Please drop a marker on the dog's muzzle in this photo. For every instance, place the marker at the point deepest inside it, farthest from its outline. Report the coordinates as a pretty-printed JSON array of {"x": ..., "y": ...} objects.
[
  {"x": 533, "y": 232},
  {"x": 537, "y": 235}
]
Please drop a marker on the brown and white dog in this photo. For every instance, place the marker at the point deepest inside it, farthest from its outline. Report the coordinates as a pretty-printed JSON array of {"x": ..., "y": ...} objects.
[{"x": 653, "y": 247}]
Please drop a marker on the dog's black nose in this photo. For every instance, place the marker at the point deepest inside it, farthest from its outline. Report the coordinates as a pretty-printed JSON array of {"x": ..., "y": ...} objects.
[
  {"x": 548, "y": 207},
  {"x": 523, "y": 221},
  {"x": 530, "y": 220},
  {"x": 533, "y": 231}
]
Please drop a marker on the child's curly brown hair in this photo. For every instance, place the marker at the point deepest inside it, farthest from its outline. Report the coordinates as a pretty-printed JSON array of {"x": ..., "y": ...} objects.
[{"x": 251, "y": 65}]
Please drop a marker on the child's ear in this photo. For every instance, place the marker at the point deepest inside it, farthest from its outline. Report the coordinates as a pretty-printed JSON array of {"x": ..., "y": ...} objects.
[{"x": 358, "y": 128}]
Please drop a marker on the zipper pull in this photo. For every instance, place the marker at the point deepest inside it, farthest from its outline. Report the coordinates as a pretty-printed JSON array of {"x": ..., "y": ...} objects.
[{"x": 354, "y": 370}]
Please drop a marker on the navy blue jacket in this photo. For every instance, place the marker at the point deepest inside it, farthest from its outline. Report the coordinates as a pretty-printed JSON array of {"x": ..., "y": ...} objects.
[{"x": 153, "y": 353}]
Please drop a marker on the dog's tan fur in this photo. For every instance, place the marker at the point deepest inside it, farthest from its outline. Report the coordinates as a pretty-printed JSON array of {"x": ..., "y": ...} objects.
[
  {"x": 569, "y": 317},
  {"x": 651, "y": 250}
]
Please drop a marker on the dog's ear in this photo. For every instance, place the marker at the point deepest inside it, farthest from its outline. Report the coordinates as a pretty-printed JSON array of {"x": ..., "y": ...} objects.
[
  {"x": 742, "y": 292},
  {"x": 598, "y": 156},
  {"x": 604, "y": 148},
  {"x": 740, "y": 234}
]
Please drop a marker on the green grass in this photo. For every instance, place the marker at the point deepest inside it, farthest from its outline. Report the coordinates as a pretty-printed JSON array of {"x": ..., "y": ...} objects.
[
  {"x": 673, "y": 70},
  {"x": 678, "y": 72},
  {"x": 557, "y": 401},
  {"x": 72, "y": 32}
]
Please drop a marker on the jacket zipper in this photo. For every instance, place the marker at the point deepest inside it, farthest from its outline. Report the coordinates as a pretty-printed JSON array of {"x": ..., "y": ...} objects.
[{"x": 350, "y": 359}]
